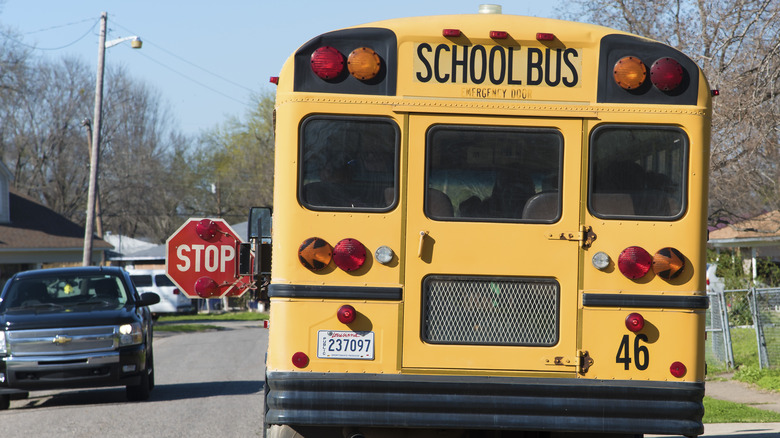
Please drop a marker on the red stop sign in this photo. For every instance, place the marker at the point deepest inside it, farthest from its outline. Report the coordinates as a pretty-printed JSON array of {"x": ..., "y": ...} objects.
[{"x": 201, "y": 257}]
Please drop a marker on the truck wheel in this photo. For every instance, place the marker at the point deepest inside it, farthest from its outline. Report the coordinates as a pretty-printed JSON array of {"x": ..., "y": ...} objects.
[
  {"x": 5, "y": 402},
  {"x": 143, "y": 390}
]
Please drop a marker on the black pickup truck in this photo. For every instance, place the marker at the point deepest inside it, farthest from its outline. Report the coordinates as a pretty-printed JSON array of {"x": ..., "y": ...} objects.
[{"x": 75, "y": 328}]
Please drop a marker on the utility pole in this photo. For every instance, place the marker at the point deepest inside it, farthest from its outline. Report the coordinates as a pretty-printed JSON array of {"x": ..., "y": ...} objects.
[{"x": 95, "y": 147}]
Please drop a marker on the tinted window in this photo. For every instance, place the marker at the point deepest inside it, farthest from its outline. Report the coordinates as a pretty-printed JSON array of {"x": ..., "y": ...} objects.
[
  {"x": 162, "y": 280},
  {"x": 141, "y": 280},
  {"x": 348, "y": 163},
  {"x": 65, "y": 291},
  {"x": 638, "y": 171},
  {"x": 493, "y": 174}
]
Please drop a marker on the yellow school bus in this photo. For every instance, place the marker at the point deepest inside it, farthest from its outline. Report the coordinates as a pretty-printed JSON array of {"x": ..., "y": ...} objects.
[{"x": 487, "y": 225}]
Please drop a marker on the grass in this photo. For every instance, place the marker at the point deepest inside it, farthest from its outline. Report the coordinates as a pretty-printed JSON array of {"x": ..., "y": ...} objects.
[
  {"x": 719, "y": 411},
  {"x": 192, "y": 323}
]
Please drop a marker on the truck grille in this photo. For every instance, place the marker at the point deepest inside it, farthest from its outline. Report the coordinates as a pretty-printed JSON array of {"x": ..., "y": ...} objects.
[
  {"x": 490, "y": 311},
  {"x": 76, "y": 340}
]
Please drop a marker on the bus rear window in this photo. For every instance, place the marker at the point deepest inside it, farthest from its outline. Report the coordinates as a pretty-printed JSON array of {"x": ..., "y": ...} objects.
[
  {"x": 493, "y": 174},
  {"x": 638, "y": 171},
  {"x": 348, "y": 163}
]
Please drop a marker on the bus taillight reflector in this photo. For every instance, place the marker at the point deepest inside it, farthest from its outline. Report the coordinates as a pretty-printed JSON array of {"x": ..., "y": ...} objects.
[
  {"x": 300, "y": 360},
  {"x": 635, "y": 322},
  {"x": 363, "y": 63},
  {"x": 668, "y": 263},
  {"x": 346, "y": 314},
  {"x": 634, "y": 262},
  {"x": 678, "y": 369},
  {"x": 327, "y": 62},
  {"x": 349, "y": 254},
  {"x": 666, "y": 74},
  {"x": 630, "y": 73}
]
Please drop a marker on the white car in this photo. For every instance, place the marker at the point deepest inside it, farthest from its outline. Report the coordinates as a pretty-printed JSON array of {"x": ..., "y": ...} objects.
[
  {"x": 172, "y": 301},
  {"x": 715, "y": 284}
]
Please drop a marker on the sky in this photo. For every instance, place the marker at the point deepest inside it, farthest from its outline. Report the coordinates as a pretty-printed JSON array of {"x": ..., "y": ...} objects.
[{"x": 206, "y": 58}]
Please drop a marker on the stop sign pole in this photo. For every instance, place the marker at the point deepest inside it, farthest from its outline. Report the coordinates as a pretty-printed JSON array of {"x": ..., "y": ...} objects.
[{"x": 201, "y": 258}]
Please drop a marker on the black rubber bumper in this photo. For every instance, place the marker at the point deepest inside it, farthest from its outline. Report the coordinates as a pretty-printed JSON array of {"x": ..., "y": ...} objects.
[{"x": 483, "y": 402}]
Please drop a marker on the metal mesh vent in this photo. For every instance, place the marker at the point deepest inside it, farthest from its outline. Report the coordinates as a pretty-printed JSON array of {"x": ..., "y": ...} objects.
[{"x": 496, "y": 311}]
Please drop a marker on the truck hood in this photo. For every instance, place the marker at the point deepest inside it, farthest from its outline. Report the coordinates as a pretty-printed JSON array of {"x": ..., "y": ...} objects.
[{"x": 69, "y": 317}]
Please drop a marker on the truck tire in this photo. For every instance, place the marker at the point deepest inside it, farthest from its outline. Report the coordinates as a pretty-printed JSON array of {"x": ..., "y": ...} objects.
[{"x": 5, "y": 402}]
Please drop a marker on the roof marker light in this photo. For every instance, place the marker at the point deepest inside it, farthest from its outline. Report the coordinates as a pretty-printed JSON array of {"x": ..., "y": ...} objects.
[
  {"x": 451, "y": 33},
  {"x": 541, "y": 36},
  {"x": 499, "y": 34},
  {"x": 274, "y": 80},
  {"x": 629, "y": 72}
]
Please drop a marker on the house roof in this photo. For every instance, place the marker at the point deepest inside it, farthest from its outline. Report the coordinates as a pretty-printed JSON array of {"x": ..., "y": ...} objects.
[
  {"x": 761, "y": 230},
  {"x": 35, "y": 226}
]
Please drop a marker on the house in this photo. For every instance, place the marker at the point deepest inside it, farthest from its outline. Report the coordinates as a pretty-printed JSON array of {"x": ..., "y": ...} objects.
[
  {"x": 34, "y": 236},
  {"x": 754, "y": 238}
]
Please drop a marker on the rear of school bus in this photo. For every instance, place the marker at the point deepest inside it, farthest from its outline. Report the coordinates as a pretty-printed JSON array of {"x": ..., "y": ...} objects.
[{"x": 487, "y": 223}]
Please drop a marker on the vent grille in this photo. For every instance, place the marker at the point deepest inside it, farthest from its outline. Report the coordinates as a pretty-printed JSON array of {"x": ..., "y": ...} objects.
[{"x": 494, "y": 311}]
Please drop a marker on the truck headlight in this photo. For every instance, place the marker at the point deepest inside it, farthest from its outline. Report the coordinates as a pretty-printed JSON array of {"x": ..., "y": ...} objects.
[{"x": 130, "y": 334}]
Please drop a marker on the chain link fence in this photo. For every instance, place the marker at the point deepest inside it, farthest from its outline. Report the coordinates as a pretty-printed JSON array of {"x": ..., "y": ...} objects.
[{"x": 755, "y": 308}]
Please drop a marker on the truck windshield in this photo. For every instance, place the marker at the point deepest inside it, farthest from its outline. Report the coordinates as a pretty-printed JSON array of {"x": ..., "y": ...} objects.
[{"x": 55, "y": 292}]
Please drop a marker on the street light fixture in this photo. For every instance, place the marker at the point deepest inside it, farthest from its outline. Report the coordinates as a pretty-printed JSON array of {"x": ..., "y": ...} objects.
[{"x": 95, "y": 147}]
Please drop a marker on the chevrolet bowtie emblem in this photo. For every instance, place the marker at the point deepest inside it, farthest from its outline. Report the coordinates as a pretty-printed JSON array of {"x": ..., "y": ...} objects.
[{"x": 60, "y": 339}]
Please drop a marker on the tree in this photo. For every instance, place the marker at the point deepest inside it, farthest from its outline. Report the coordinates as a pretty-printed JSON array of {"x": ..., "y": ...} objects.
[
  {"x": 737, "y": 44},
  {"x": 236, "y": 165}
]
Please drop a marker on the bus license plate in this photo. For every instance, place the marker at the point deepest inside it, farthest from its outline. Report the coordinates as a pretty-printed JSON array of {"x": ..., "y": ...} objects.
[{"x": 333, "y": 344}]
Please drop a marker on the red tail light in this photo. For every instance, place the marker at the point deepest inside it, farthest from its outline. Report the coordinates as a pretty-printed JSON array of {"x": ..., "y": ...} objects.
[
  {"x": 635, "y": 322},
  {"x": 634, "y": 262},
  {"x": 346, "y": 314},
  {"x": 349, "y": 254},
  {"x": 666, "y": 74},
  {"x": 327, "y": 62},
  {"x": 176, "y": 291},
  {"x": 300, "y": 360},
  {"x": 678, "y": 369}
]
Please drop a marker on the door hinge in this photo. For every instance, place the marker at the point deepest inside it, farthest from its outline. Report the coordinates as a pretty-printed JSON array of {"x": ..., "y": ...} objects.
[
  {"x": 585, "y": 361},
  {"x": 585, "y": 236}
]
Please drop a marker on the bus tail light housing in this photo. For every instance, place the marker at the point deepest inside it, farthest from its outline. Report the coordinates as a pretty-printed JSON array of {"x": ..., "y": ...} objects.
[
  {"x": 634, "y": 262},
  {"x": 327, "y": 63},
  {"x": 349, "y": 254}
]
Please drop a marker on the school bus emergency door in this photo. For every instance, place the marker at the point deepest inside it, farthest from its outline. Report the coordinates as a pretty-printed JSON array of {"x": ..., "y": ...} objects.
[{"x": 491, "y": 283}]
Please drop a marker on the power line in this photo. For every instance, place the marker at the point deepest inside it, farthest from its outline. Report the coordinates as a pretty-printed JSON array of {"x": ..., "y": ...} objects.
[
  {"x": 188, "y": 62},
  {"x": 16, "y": 40}
]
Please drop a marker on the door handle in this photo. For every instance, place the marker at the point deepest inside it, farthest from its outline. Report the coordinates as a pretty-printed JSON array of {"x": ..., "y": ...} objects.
[{"x": 422, "y": 243}]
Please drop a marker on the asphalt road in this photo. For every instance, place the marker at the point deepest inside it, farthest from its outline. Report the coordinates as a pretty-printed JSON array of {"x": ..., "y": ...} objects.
[{"x": 208, "y": 384}]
